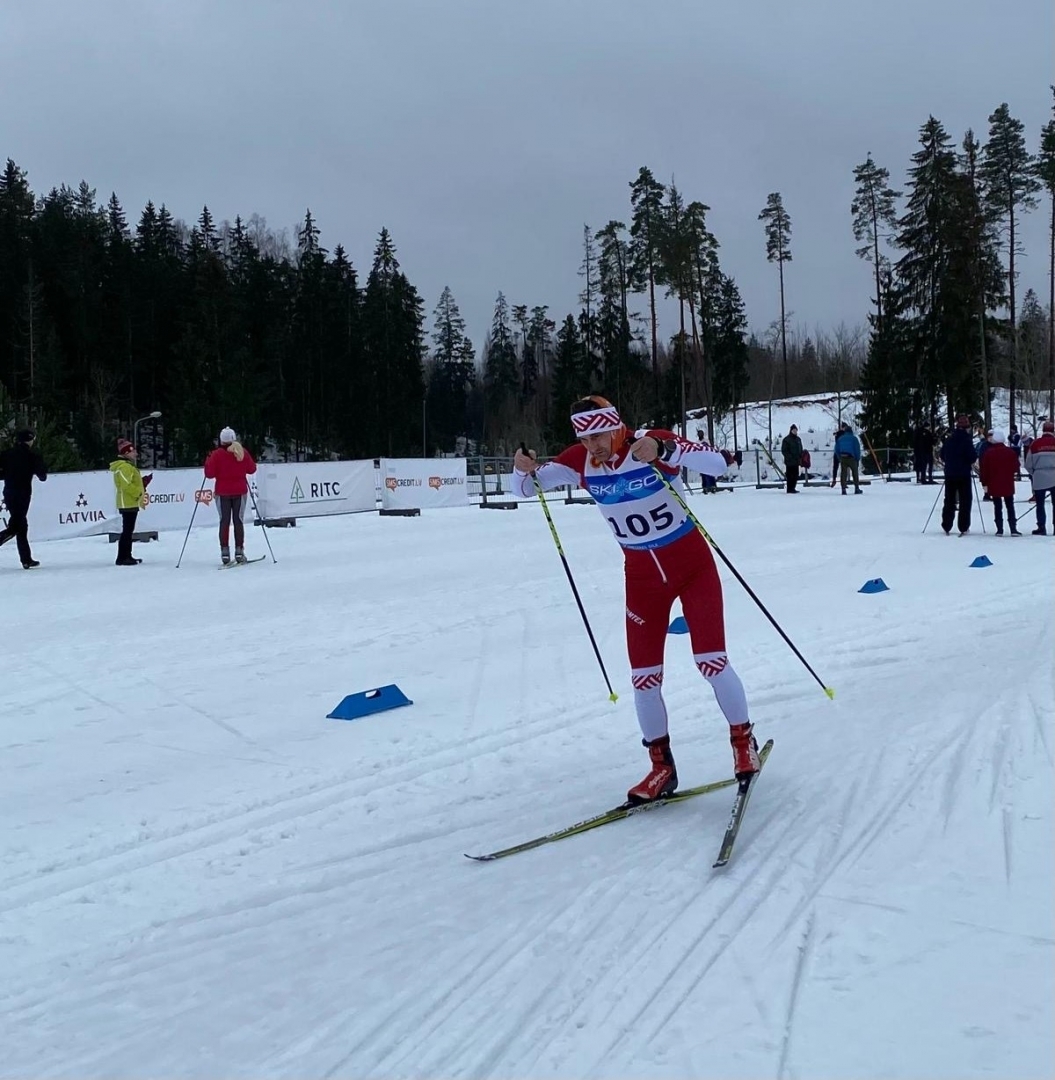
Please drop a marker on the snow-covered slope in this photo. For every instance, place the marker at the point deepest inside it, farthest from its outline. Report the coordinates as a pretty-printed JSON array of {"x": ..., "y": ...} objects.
[{"x": 202, "y": 876}]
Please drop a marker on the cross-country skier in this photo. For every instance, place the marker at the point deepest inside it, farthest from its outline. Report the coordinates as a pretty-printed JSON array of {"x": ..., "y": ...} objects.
[
  {"x": 230, "y": 465},
  {"x": 665, "y": 557}
]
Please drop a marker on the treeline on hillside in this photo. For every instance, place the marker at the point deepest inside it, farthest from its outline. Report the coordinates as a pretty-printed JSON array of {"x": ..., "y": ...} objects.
[
  {"x": 103, "y": 322},
  {"x": 948, "y": 322}
]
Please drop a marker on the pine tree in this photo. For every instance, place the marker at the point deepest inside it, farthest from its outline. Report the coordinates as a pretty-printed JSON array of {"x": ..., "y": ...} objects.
[
  {"x": 452, "y": 373},
  {"x": 873, "y": 209},
  {"x": 646, "y": 232},
  {"x": 778, "y": 250},
  {"x": 729, "y": 351},
  {"x": 500, "y": 374},
  {"x": 889, "y": 374},
  {"x": 588, "y": 295},
  {"x": 1045, "y": 174},
  {"x": 1008, "y": 173},
  {"x": 701, "y": 265},
  {"x": 569, "y": 380}
]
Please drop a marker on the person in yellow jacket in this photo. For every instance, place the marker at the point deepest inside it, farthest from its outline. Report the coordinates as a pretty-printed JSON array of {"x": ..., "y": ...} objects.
[{"x": 132, "y": 497}]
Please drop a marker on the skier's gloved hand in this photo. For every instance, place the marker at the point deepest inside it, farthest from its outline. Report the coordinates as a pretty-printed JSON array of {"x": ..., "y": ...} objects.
[
  {"x": 524, "y": 460},
  {"x": 648, "y": 449}
]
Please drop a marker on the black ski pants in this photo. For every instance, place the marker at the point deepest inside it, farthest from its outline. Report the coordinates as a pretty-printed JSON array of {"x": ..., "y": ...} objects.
[{"x": 957, "y": 503}]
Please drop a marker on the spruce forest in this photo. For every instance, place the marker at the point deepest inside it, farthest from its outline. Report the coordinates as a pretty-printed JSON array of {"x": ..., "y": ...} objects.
[{"x": 104, "y": 320}]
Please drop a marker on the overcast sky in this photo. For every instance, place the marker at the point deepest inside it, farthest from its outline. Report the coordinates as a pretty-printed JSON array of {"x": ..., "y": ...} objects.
[{"x": 485, "y": 133}]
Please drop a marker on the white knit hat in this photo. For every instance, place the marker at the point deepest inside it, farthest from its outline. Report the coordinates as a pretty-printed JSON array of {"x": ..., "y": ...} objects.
[
  {"x": 999, "y": 437},
  {"x": 228, "y": 435}
]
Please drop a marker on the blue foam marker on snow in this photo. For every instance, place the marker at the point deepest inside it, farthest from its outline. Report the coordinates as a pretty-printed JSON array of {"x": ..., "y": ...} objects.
[
  {"x": 873, "y": 586},
  {"x": 368, "y": 702},
  {"x": 982, "y": 560},
  {"x": 678, "y": 626}
]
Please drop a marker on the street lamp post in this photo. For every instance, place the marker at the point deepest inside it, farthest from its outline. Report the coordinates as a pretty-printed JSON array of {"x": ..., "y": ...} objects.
[{"x": 135, "y": 431}]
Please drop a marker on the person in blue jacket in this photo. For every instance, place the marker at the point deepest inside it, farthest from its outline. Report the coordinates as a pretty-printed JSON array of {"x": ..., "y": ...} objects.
[
  {"x": 958, "y": 454},
  {"x": 848, "y": 454}
]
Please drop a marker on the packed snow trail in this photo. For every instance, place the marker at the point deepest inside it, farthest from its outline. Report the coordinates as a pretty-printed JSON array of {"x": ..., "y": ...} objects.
[{"x": 202, "y": 876}]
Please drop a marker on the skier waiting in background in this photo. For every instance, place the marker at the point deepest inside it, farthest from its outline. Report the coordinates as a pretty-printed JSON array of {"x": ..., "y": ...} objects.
[
  {"x": 131, "y": 491},
  {"x": 230, "y": 464},
  {"x": 997, "y": 470},
  {"x": 791, "y": 448},
  {"x": 1040, "y": 464},
  {"x": 848, "y": 454},
  {"x": 665, "y": 557},
  {"x": 958, "y": 455},
  {"x": 18, "y": 465}
]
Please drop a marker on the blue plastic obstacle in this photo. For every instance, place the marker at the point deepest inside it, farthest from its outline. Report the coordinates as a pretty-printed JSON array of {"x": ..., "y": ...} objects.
[
  {"x": 982, "y": 560},
  {"x": 678, "y": 626},
  {"x": 875, "y": 585},
  {"x": 368, "y": 702}
]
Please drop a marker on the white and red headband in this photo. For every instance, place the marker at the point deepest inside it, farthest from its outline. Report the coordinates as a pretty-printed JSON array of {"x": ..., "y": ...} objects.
[{"x": 596, "y": 421}]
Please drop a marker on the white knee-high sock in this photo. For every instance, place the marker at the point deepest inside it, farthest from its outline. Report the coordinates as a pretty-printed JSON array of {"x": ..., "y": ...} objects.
[
  {"x": 726, "y": 684},
  {"x": 648, "y": 700}
]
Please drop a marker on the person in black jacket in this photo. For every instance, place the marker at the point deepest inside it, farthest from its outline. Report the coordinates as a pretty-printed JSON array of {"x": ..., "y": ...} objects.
[
  {"x": 923, "y": 454},
  {"x": 18, "y": 465},
  {"x": 958, "y": 454}
]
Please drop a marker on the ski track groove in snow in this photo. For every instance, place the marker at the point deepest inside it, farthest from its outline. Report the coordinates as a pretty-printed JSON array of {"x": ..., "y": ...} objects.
[
  {"x": 783, "y": 1068},
  {"x": 267, "y": 812}
]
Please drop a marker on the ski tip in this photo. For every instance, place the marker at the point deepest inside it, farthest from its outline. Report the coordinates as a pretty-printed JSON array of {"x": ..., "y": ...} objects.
[
  {"x": 479, "y": 858},
  {"x": 719, "y": 864}
]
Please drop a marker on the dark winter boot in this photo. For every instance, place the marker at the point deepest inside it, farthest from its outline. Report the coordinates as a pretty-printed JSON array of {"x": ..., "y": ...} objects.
[
  {"x": 745, "y": 750},
  {"x": 239, "y": 555},
  {"x": 225, "y": 554},
  {"x": 663, "y": 776},
  {"x": 30, "y": 564}
]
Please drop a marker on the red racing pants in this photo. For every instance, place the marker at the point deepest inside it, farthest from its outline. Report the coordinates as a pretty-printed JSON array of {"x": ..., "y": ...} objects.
[{"x": 683, "y": 570}]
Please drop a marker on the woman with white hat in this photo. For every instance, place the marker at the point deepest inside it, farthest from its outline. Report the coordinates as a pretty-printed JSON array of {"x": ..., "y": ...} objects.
[{"x": 230, "y": 465}]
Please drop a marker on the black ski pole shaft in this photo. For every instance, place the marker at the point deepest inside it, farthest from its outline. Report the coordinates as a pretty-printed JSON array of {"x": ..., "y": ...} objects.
[
  {"x": 829, "y": 690},
  {"x": 933, "y": 508},
  {"x": 612, "y": 695},
  {"x": 190, "y": 525}
]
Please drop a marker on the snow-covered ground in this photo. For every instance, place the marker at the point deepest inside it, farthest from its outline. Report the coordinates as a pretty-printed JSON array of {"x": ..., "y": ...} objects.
[{"x": 202, "y": 876}]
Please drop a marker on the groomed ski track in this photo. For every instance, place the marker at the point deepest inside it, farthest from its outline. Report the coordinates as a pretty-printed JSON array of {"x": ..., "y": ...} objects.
[{"x": 203, "y": 876}]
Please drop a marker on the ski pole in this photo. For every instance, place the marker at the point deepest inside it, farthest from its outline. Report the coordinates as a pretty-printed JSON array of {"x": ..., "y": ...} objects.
[
  {"x": 190, "y": 525},
  {"x": 829, "y": 690},
  {"x": 978, "y": 501},
  {"x": 612, "y": 695},
  {"x": 934, "y": 507},
  {"x": 263, "y": 526}
]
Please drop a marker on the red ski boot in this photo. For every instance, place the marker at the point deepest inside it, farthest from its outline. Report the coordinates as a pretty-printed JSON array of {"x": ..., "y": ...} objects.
[
  {"x": 662, "y": 779},
  {"x": 745, "y": 750}
]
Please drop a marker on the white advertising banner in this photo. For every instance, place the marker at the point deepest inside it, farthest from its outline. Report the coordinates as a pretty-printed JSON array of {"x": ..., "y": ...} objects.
[
  {"x": 423, "y": 483},
  {"x": 316, "y": 488},
  {"x": 68, "y": 505}
]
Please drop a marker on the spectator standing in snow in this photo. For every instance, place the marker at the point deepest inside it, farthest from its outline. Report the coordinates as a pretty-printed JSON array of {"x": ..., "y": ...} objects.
[
  {"x": 18, "y": 465},
  {"x": 958, "y": 455},
  {"x": 981, "y": 447},
  {"x": 997, "y": 470},
  {"x": 230, "y": 465},
  {"x": 791, "y": 448},
  {"x": 923, "y": 453},
  {"x": 131, "y": 489},
  {"x": 1040, "y": 464},
  {"x": 848, "y": 454},
  {"x": 1014, "y": 441}
]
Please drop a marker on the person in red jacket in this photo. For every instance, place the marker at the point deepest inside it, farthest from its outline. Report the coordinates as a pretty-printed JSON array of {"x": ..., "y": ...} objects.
[
  {"x": 997, "y": 468},
  {"x": 229, "y": 465}
]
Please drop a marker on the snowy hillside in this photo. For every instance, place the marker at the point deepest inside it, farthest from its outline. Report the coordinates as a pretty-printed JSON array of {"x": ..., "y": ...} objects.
[{"x": 202, "y": 876}]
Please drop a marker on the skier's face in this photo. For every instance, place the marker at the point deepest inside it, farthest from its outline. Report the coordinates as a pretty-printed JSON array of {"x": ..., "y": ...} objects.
[{"x": 599, "y": 445}]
